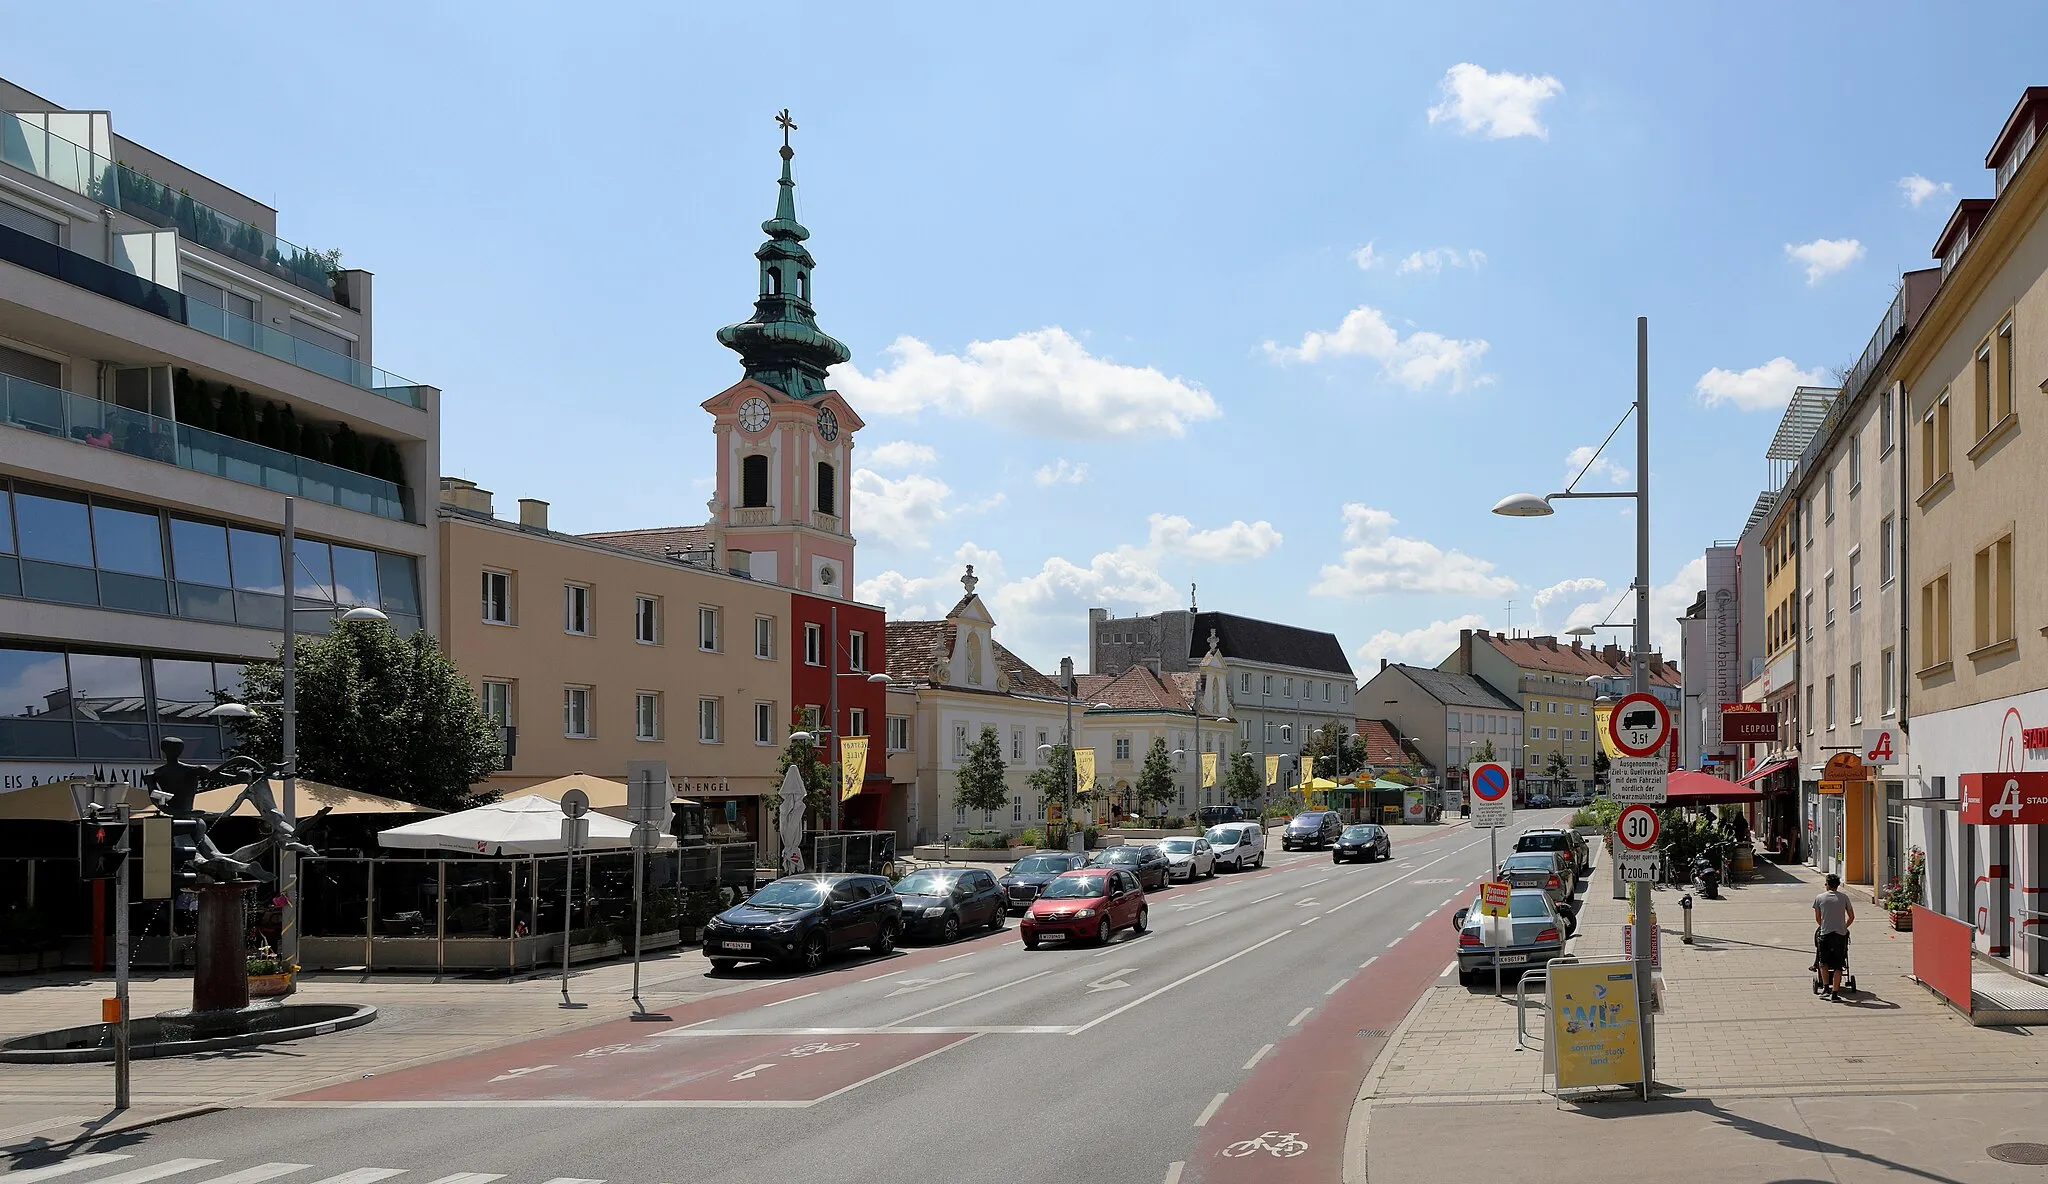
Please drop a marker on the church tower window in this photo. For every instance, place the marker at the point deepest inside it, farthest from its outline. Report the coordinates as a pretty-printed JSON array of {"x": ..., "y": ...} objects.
[
  {"x": 828, "y": 490},
  {"x": 754, "y": 481}
]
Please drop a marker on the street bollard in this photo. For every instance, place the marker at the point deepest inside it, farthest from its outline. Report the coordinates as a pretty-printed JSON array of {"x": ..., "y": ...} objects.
[{"x": 1685, "y": 904}]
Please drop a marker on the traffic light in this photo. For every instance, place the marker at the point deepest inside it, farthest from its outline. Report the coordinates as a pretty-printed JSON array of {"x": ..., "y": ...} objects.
[{"x": 102, "y": 848}]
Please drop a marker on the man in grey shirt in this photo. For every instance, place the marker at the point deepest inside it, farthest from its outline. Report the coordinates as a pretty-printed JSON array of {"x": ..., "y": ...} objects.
[{"x": 1832, "y": 915}]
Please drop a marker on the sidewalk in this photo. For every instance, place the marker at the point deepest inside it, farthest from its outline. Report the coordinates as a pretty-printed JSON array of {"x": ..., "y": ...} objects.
[
  {"x": 418, "y": 1020},
  {"x": 1755, "y": 1071}
]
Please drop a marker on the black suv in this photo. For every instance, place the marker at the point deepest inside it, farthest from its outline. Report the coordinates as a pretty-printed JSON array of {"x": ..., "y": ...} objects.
[
  {"x": 1146, "y": 862},
  {"x": 801, "y": 920},
  {"x": 1310, "y": 829}
]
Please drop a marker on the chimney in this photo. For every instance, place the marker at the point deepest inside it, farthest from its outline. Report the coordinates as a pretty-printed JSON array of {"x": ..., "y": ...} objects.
[
  {"x": 1383, "y": 663},
  {"x": 464, "y": 495},
  {"x": 1464, "y": 651},
  {"x": 1576, "y": 642},
  {"x": 533, "y": 512}
]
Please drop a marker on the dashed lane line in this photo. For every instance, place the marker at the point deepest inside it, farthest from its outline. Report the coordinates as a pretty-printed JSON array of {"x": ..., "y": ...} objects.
[
  {"x": 967, "y": 998},
  {"x": 1258, "y": 1056},
  {"x": 1368, "y": 962},
  {"x": 1296, "y": 1021},
  {"x": 1192, "y": 975},
  {"x": 777, "y": 1003},
  {"x": 1209, "y": 1111},
  {"x": 1335, "y": 987}
]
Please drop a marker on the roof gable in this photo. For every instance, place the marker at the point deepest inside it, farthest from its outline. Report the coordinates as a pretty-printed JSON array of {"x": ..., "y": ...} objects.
[{"x": 1253, "y": 640}]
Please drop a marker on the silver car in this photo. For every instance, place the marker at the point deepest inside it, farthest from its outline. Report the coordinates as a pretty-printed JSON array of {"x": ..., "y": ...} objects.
[
  {"x": 1238, "y": 845},
  {"x": 1537, "y": 933},
  {"x": 1188, "y": 858}
]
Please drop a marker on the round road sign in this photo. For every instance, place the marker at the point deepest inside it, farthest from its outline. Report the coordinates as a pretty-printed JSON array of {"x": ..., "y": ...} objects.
[
  {"x": 1636, "y": 829},
  {"x": 1489, "y": 782},
  {"x": 575, "y": 803},
  {"x": 1639, "y": 724}
]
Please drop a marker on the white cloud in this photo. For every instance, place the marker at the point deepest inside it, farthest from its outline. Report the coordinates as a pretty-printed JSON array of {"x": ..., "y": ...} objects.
[
  {"x": 1918, "y": 189},
  {"x": 1668, "y": 602},
  {"x": 1603, "y": 469},
  {"x": 926, "y": 598},
  {"x": 1434, "y": 260},
  {"x": 1235, "y": 543},
  {"x": 1824, "y": 257},
  {"x": 1568, "y": 604},
  {"x": 1043, "y": 382},
  {"x": 1426, "y": 646},
  {"x": 1759, "y": 388},
  {"x": 1367, "y": 258},
  {"x": 1060, "y": 472},
  {"x": 1416, "y": 361},
  {"x": 899, "y": 513},
  {"x": 1378, "y": 560},
  {"x": 1499, "y": 106},
  {"x": 902, "y": 454}
]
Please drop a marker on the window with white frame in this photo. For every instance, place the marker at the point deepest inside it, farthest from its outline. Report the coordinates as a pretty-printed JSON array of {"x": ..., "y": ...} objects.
[
  {"x": 857, "y": 651},
  {"x": 1287, "y": 688},
  {"x": 1244, "y": 682},
  {"x": 1889, "y": 685},
  {"x": 1016, "y": 809},
  {"x": 960, "y": 741},
  {"x": 647, "y": 715},
  {"x": 1123, "y": 748},
  {"x": 576, "y": 712},
  {"x": 497, "y": 597},
  {"x": 707, "y": 629},
  {"x": 764, "y": 723},
  {"x": 646, "y": 620},
  {"x": 1267, "y": 684},
  {"x": 1887, "y": 561},
  {"x": 1885, "y": 432},
  {"x": 1856, "y": 693},
  {"x": 1827, "y": 597},
  {"x": 856, "y": 721},
  {"x": 814, "y": 644},
  {"x": 1856, "y": 580},
  {"x": 813, "y": 718},
  {"x": 1809, "y": 616},
  {"x": 576, "y": 609},
  {"x": 1831, "y": 702},
  {"x": 709, "y": 730},
  {"x": 764, "y": 637},
  {"x": 899, "y": 733},
  {"x": 496, "y": 701},
  {"x": 959, "y": 816},
  {"x": 1809, "y": 709},
  {"x": 1855, "y": 464}
]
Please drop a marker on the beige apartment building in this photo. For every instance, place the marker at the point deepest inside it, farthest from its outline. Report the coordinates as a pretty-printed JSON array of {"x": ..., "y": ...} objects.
[
  {"x": 1975, "y": 372},
  {"x": 592, "y": 655}
]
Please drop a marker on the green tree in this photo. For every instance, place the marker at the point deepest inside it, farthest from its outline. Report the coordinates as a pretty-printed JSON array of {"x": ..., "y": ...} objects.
[
  {"x": 377, "y": 712},
  {"x": 979, "y": 781},
  {"x": 1321, "y": 750},
  {"x": 1600, "y": 762},
  {"x": 1155, "y": 780},
  {"x": 1558, "y": 766},
  {"x": 808, "y": 757},
  {"x": 1484, "y": 752},
  {"x": 1241, "y": 781},
  {"x": 1050, "y": 780}
]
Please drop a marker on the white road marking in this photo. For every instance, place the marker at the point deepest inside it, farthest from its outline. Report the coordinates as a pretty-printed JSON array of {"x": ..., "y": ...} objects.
[
  {"x": 1258, "y": 1056},
  {"x": 1368, "y": 962},
  {"x": 170, "y": 1167},
  {"x": 1416, "y": 926},
  {"x": 893, "y": 1069},
  {"x": 913, "y": 985},
  {"x": 460, "y": 1178},
  {"x": 1448, "y": 967},
  {"x": 1393, "y": 943},
  {"x": 271, "y": 1171},
  {"x": 1173, "y": 1172},
  {"x": 1113, "y": 981},
  {"x": 77, "y": 1163},
  {"x": 750, "y": 1074},
  {"x": 1311, "y": 920},
  {"x": 936, "y": 1030},
  {"x": 1335, "y": 987},
  {"x": 507, "y": 1075},
  {"x": 1209, "y": 1111},
  {"x": 777, "y": 1003},
  {"x": 1388, "y": 884},
  {"x": 1192, "y": 975},
  {"x": 369, "y": 1176},
  {"x": 967, "y": 999},
  {"x": 1267, "y": 897},
  {"x": 1296, "y": 1021},
  {"x": 957, "y": 957},
  {"x": 1204, "y": 917}
]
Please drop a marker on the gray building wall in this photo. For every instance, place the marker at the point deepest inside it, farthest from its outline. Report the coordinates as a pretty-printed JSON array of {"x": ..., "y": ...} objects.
[{"x": 1115, "y": 644}]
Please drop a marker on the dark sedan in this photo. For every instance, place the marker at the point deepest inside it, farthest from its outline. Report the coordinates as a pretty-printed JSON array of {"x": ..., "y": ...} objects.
[
  {"x": 1029, "y": 877},
  {"x": 1149, "y": 864},
  {"x": 1365, "y": 842},
  {"x": 804, "y": 919},
  {"x": 943, "y": 902},
  {"x": 1311, "y": 828}
]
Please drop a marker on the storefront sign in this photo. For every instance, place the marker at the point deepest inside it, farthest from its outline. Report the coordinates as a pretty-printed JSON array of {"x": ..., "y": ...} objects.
[
  {"x": 1595, "y": 1029},
  {"x": 1884, "y": 746},
  {"x": 2004, "y": 799},
  {"x": 2034, "y": 739},
  {"x": 28, "y": 774},
  {"x": 1748, "y": 723}
]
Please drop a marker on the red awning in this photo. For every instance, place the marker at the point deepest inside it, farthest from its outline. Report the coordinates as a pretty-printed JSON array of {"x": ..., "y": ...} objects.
[
  {"x": 1766, "y": 771},
  {"x": 1687, "y": 788}
]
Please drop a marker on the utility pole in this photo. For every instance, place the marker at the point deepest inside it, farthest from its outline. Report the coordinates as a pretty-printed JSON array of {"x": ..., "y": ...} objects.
[
  {"x": 1640, "y": 678},
  {"x": 288, "y": 859},
  {"x": 832, "y": 727}
]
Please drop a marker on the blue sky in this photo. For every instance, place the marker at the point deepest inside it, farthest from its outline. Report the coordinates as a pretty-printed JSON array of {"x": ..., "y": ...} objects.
[{"x": 1102, "y": 273}]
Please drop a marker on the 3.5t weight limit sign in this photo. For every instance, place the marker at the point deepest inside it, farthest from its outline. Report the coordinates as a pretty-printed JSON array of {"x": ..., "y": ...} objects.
[
  {"x": 1493, "y": 799},
  {"x": 1639, "y": 724}
]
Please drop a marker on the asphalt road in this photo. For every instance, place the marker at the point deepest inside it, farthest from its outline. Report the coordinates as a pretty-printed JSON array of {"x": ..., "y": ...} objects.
[{"x": 1254, "y": 1005}]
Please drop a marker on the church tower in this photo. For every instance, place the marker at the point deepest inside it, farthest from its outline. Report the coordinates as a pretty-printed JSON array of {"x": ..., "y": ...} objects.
[{"x": 785, "y": 441}]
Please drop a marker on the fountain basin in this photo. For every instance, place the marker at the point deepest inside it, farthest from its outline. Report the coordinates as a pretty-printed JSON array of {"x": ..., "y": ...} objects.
[{"x": 180, "y": 1033}]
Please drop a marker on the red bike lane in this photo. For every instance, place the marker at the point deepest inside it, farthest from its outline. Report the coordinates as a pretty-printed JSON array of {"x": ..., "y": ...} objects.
[{"x": 1289, "y": 1118}]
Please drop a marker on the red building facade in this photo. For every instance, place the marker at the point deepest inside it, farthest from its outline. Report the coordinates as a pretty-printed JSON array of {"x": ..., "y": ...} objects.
[{"x": 836, "y": 641}]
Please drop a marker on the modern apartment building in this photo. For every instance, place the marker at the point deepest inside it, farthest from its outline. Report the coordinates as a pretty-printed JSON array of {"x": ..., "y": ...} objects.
[
  {"x": 1974, "y": 426},
  {"x": 1449, "y": 718},
  {"x": 171, "y": 372}
]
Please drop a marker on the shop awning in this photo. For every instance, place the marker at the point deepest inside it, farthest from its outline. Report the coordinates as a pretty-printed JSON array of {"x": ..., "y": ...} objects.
[
  {"x": 1687, "y": 788},
  {"x": 1767, "y": 770}
]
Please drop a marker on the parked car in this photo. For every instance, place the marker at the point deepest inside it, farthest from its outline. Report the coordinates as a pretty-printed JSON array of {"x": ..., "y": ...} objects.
[
  {"x": 1217, "y": 815},
  {"x": 1539, "y": 800},
  {"x": 804, "y": 919},
  {"x": 1537, "y": 933},
  {"x": 942, "y": 902},
  {"x": 1551, "y": 838},
  {"x": 1188, "y": 858},
  {"x": 1311, "y": 828},
  {"x": 1238, "y": 845},
  {"x": 1093, "y": 902},
  {"x": 1364, "y": 842},
  {"x": 1147, "y": 863},
  {"x": 1029, "y": 875},
  {"x": 1550, "y": 871}
]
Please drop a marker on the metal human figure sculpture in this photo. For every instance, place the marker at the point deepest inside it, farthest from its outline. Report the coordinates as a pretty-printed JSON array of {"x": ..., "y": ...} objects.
[{"x": 174, "y": 784}]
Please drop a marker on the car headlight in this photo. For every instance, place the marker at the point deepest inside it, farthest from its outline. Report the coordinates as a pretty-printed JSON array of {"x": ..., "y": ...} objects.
[
  {"x": 937, "y": 910},
  {"x": 1084, "y": 914},
  {"x": 782, "y": 926}
]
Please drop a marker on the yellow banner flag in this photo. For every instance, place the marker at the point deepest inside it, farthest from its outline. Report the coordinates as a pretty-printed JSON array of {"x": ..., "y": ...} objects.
[
  {"x": 1084, "y": 770},
  {"x": 853, "y": 764},
  {"x": 1600, "y": 713},
  {"x": 1272, "y": 768},
  {"x": 1208, "y": 769}
]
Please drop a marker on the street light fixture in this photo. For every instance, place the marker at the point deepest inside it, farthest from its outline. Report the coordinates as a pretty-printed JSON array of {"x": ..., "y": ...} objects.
[{"x": 1528, "y": 505}]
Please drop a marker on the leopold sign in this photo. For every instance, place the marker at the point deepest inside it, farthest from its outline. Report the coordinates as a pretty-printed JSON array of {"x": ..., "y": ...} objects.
[
  {"x": 2004, "y": 799},
  {"x": 1748, "y": 723}
]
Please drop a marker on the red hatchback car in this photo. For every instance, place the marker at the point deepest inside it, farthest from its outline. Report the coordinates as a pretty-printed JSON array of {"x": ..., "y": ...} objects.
[{"x": 1089, "y": 902}]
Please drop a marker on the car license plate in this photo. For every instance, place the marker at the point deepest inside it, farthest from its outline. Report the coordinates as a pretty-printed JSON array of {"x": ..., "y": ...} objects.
[
  {"x": 1513, "y": 959},
  {"x": 1051, "y": 934},
  {"x": 735, "y": 945}
]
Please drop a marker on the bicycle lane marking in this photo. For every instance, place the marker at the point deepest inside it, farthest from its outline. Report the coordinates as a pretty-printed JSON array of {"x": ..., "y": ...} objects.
[{"x": 1287, "y": 1121}]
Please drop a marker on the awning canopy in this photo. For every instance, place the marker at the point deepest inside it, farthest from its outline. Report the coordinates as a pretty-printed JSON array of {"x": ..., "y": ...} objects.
[
  {"x": 1767, "y": 770},
  {"x": 1687, "y": 788},
  {"x": 310, "y": 797},
  {"x": 605, "y": 795},
  {"x": 527, "y": 826}
]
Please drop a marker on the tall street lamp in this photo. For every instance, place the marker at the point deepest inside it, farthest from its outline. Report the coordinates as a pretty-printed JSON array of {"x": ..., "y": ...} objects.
[
  {"x": 1068, "y": 789},
  {"x": 1528, "y": 505}
]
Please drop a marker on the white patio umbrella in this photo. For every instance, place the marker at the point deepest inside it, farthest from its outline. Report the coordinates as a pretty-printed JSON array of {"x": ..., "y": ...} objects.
[
  {"x": 790, "y": 821},
  {"x": 522, "y": 826}
]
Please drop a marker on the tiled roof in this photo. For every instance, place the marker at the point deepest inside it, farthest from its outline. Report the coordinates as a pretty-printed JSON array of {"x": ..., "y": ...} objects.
[
  {"x": 1553, "y": 656},
  {"x": 659, "y": 540},
  {"x": 1456, "y": 690},
  {"x": 914, "y": 647},
  {"x": 1382, "y": 743},
  {"x": 1264, "y": 641},
  {"x": 1136, "y": 689}
]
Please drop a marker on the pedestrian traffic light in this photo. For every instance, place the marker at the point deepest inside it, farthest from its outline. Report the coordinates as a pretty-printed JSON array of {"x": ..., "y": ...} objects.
[{"x": 102, "y": 848}]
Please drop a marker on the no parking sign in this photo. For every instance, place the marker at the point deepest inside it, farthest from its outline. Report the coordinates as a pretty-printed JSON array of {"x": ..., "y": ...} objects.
[{"x": 1493, "y": 799}]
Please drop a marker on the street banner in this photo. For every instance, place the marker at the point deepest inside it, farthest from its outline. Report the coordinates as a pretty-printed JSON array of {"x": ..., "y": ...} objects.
[
  {"x": 1272, "y": 768},
  {"x": 1084, "y": 770},
  {"x": 1595, "y": 1031},
  {"x": 1208, "y": 769},
  {"x": 1600, "y": 713},
  {"x": 853, "y": 765}
]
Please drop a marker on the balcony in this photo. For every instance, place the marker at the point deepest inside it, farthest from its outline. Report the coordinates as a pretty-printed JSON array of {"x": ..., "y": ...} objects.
[{"x": 33, "y": 407}]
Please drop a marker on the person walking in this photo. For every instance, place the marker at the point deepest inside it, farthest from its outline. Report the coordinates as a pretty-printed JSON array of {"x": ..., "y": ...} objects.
[{"x": 1832, "y": 916}]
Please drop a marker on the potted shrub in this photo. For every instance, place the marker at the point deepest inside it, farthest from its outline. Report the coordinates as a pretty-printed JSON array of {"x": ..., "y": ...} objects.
[
  {"x": 1901, "y": 895},
  {"x": 269, "y": 975}
]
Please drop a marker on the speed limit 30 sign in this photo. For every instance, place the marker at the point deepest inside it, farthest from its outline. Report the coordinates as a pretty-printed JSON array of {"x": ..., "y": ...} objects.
[{"x": 1636, "y": 829}]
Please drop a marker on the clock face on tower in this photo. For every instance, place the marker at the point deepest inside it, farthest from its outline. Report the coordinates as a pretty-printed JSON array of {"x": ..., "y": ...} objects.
[
  {"x": 754, "y": 414},
  {"x": 828, "y": 425}
]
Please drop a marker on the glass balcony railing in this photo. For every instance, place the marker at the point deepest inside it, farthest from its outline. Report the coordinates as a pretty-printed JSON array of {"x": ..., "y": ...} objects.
[
  {"x": 34, "y": 407},
  {"x": 304, "y": 354}
]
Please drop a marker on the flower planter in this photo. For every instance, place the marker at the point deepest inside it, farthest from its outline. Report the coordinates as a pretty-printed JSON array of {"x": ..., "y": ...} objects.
[
  {"x": 269, "y": 986},
  {"x": 1903, "y": 922}
]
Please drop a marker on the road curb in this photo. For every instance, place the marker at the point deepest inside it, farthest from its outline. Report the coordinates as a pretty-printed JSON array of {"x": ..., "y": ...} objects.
[
  {"x": 1359, "y": 1130},
  {"x": 15, "y": 1150}
]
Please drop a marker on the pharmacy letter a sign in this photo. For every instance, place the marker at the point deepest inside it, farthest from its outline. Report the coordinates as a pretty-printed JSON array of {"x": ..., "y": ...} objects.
[{"x": 2004, "y": 799}]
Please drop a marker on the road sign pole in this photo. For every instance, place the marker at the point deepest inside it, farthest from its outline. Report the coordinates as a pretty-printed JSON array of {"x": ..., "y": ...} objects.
[
  {"x": 1493, "y": 869},
  {"x": 121, "y": 910}
]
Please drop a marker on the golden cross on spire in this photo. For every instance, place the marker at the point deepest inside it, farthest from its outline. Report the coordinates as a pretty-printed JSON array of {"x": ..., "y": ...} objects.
[{"x": 787, "y": 124}]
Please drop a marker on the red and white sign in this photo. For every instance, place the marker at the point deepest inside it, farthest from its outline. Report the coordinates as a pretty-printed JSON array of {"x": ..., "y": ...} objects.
[
  {"x": 1884, "y": 746},
  {"x": 1493, "y": 803},
  {"x": 1636, "y": 829},
  {"x": 2004, "y": 799},
  {"x": 1748, "y": 723},
  {"x": 1639, "y": 724}
]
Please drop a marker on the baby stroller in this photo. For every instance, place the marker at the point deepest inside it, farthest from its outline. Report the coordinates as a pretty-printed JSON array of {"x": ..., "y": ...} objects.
[{"x": 1848, "y": 979}]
